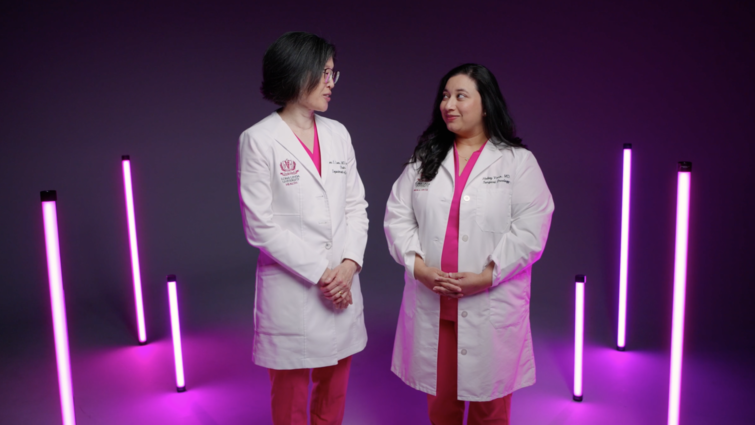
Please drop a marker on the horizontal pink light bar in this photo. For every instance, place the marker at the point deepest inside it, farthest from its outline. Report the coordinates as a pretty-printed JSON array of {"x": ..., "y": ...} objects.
[
  {"x": 579, "y": 331},
  {"x": 625, "y": 190},
  {"x": 680, "y": 283},
  {"x": 175, "y": 328},
  {"x": 57, "y": 298},
  {"x": 135, "y": 271}
]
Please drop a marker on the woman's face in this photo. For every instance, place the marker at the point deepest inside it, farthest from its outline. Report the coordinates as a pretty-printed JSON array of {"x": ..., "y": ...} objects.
[
  {"x": 461, "y": 106},
  {"x": 318, "y": 98}
]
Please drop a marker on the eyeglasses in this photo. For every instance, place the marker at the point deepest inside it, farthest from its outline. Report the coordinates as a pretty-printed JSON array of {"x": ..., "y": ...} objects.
[{"x": 331, "y": 75}]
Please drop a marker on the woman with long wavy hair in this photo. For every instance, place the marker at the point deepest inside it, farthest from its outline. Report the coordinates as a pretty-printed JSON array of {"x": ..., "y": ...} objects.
[{"x": 467, "y": 219}]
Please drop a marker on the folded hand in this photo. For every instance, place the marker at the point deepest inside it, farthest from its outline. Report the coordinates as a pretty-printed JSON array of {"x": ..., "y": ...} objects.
[{"x": 335, "y": 284}]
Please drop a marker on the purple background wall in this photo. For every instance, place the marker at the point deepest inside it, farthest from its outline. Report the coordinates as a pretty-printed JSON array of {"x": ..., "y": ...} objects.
[{"x": 174, "y": 85}]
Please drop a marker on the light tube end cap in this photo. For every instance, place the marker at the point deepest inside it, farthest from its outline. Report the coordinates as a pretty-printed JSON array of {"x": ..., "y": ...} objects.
[
  {"x": 171, "y": 278},
  {"x": 125, "y": 158},
  {"x": 577, "y": 398},
  {"x": 181, "y": 389},
  {"x": 627, "y": 146},
  {"x": 685, "y": 166},
  {"x": 48, "y": 195},
  {"x": 142, "y": 342},
  {"x": 621, "y": 348},
  {"x": 579, "y": 278}
]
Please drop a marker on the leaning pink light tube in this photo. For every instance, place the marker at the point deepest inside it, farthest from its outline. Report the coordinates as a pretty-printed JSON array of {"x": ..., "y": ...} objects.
[
  {"x": 57, "y": 298},
  {"x": 680, "y": 284},
  {"x": 175, "y": 328},
  {"x": 135, "y": 271}
]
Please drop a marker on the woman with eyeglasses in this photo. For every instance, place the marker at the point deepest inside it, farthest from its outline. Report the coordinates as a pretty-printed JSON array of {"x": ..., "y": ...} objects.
[
  {"x": 467, "y": 218},
  {"x": 303, "y": 206}
]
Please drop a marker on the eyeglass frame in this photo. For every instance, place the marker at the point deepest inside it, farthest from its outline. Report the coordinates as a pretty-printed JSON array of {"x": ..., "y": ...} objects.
[{"x": 331, "y": 73}]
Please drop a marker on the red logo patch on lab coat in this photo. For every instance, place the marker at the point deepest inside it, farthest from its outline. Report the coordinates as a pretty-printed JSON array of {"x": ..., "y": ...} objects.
[
  {"x": 288, "y": 165},
  {"x": 289, "y": 176}
]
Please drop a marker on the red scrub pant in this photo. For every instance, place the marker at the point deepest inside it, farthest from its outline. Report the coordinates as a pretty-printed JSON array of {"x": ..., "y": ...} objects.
[
  {"x": 290, "y": 390},
  {"x": 443, "y": 408}
]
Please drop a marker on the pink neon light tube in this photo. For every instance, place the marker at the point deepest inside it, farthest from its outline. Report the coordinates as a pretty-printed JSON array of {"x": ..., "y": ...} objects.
[
  {"x": 57, "y": 298},
  {"x": 625, "y": 190},
  {"x": 680, "y": 283},
  {"x": 175, "y": 328},
  {"x": 579, "y": 334},
  {"x": 134, "y": 249}
]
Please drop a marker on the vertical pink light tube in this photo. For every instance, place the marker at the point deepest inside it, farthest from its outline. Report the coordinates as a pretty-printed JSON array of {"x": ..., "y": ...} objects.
[
  {"x": 579, "y": 333},
  {"x": 625, "y": 190},
  {"x": 135, "y": 272},
  {"x": 57, "y": 298},
  {"x": 680, "y": 283},
  {"x": 175, "y": 328}
]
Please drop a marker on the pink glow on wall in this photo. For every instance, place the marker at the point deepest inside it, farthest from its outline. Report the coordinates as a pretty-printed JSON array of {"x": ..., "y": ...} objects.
[
  {"x": 579, "y": 332},
  {"x": 135, "y": 272},
  {"x": 625, "y": 191},
  {"x": 680, "y": 283},
  {"x": 57, "y": 298},
  {"x": 175, "y": 328}
]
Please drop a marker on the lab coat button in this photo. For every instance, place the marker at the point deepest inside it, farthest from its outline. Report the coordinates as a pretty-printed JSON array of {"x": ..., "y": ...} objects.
[
  {"x": 466, "y": 198},
  {"x": 328, "y": 245},
  {"x": 465, "y": 238},
  {"x": 464, "y": 352},
  {"x": 463, "y": 314}
]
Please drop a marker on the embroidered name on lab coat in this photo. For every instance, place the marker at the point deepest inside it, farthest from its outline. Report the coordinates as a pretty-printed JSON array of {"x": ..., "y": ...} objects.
[
  {"x": 289, "y": 174},
  {"x": 338, "y": 167},
  {"x": 497, "y": 179},
  {"x": 420, "y": 186}
]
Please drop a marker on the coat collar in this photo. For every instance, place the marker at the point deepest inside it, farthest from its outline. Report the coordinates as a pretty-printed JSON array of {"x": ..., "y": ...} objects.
[
  {"x": 490, "y": 154},
  {"x": 286, "y": 137},
  {"x": 448, "y": 164}
]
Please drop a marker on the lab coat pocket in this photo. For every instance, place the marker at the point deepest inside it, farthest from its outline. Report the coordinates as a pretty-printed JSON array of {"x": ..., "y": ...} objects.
[
  {"x": 493, "y": 209},
  {"x": 279, "y": 301},
  {"x": 509, "y": 304},
  {"x": 290, "y": 222}
]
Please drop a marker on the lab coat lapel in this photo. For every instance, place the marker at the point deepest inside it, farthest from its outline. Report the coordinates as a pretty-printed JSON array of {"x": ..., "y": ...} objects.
[
  {"x": 448, "y": 164},
  {"x": 490, "y": 154},
  {"x": 286, "y": 137},
  {"x": 326, "y": 143}
]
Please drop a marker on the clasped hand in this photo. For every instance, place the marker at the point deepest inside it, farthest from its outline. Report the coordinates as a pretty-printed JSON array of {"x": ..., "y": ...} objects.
[
  {"x": 454, "y": 285},
  {"x": 335, "y": 283}
]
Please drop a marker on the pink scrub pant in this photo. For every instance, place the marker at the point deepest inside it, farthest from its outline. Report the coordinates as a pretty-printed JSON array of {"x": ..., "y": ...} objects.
[
  {"x": 444, "y": 408},
  {"x": 290, "y": 389}
]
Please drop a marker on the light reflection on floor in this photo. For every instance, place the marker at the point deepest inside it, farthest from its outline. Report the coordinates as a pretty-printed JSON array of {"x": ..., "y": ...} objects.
[{"x": 135, "y": 385}]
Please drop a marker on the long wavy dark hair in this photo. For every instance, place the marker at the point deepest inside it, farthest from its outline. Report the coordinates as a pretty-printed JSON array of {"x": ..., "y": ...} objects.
[{"x": 434, "y": 143}]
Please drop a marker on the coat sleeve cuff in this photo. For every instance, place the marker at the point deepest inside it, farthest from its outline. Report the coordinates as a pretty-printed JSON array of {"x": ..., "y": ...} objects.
[
  {"x": 314, "y": 276},
  {"x": 353, "y": 257},
  {"x": 409, "y": 259},
  {"x": 496, "y": 270}
]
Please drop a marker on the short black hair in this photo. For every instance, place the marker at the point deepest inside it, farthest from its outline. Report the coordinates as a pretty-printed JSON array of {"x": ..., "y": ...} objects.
[{"x": 293, "y": 65}]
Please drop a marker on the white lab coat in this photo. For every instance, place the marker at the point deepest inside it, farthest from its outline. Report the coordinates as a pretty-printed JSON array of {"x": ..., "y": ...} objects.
[
  {"x": 302, "y": 224},
  {"x": 504, "y": 218}
]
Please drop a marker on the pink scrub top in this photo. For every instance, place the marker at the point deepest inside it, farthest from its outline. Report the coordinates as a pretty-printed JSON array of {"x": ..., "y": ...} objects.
[
  {"x": 315, "y": 153},
  {"x": 449, "y": 260}
]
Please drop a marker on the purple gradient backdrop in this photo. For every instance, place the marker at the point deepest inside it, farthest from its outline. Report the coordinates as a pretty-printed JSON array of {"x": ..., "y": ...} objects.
[{"x": 173, "y": 85}]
